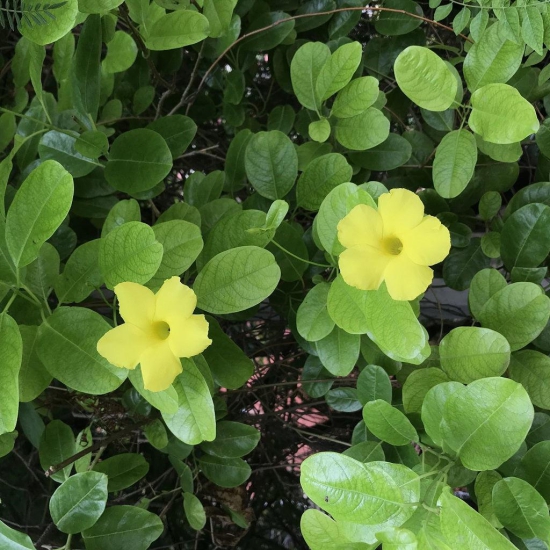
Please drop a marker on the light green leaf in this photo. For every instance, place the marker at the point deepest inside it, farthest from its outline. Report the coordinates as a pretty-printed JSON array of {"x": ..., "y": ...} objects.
[
  {"x": 10, "y": 539},
  {"x": 418, "y": 384},
  {"x": 98, "y": 6},
  {"x": 425, "y": 78},
  {"x": 339, "y": 351},
  {"x": 67, "y": 346},
  {"x": 218, "y": 13},
  {"x": 56, "y": 445},
  {"x": 177, "y": 130},
  {"x": 454, "y": 163},
  {"x": 79, "y": 502},
  {"x": 177, "y": 29},
  {"x": 40, "y": 205},
  {"x": 122, "y": 212},
  {"x": 312, "y": 319},
  {"x": 33, "y": 376},
  {"x": 271, "y": 164},
  {"x": 122, "y": 470},
  {"x": 473, "y": 421},
  {"x": 532, "y": 370},
  {"x": 305, "y": 67},
  {"x": 470, "y": 353},
  {"x": 397, "y": 539},
  {"x": 138, "y": 160},
  {"x": 501, "y": 115},
  {"x": 319, "y": 130},
  {"x": 12, "y": 353},
  {"x": 356, "y": 97},
  {"x": 233, "y": 440},
  {"x": 225, "y": 472},
  {"x": 388, "y": 423},
  {"x": 123, "y": 527},
  {"x": 194, "y": 510},
  {"x": 373, "y": 383},
  {"x": 121, "y": 53},
  {"x": 363, "y": 131},
  {"x": 532, "y": 28},
  {"x": 321, "y": 531},
  {"x": 485, "y": 284},
  {"x": 129, "y": 252},
  {"x": 194, "y": 421},
  {"x": 165, "y": 401},
  {"x": 236, "y": 279},
  {"x": 54, "y": 28}
]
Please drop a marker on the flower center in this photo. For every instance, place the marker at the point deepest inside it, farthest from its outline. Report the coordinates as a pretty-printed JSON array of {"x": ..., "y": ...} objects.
[
  {"x": 392, "y": 245},
  {"x": 161, "y": 330}
]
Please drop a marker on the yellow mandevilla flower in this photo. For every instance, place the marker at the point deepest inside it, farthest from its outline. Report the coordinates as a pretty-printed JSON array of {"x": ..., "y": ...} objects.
[
  {"x": 158, "y": 330},
  {"x": 395, "y": 244}
]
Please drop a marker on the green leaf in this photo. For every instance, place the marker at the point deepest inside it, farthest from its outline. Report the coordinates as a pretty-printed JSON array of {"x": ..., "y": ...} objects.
[
  {"x": 338, "y": 70},
  {"x": 461, "y": 20},
  {"x": 532, "y": 370},
  {"x": 129, "y": 252},
  {"x": 218, "y": 13},
  {"x": 41, "y": 274},
  {"x": 177, "y": 130},
  {"x": 470, "y": 353},
  {"x": 356, "y": 97},
  {"x": 398, "y": 539},
  {"x": 532, "y": 28},
  {"x": 91, "y": 144},
  {"x": 33, "y": 376},
  {"x": 485, "y": 284},
  {"x": 138, "y": 160},
  {"x": 518, "y": 311},
  {"x": 165, "y": 401},
  {"x": 10, "y": 539},
  {"x": 233, "y": 440},
  {"x": 373, "y": 383},
  {"x": 335, "y": 206},
  {"x": 493, "y": 59},
  {"x": 425, "y": 78},
  {"x": 312, "y": 319},
  {"x": 271, "y": 164},
  {"x": 123, "y": 527},
  {"x": 321, "y": 176},
  {"x": 418, "y": 384},
  {"x": 194, "y": 511},
  {"x": 67, "y": 346},
  {"x": 225, "y": 472},
  {"x": 79, "y": 502},
  {"x": 281, "y": 118},
  {"x": 177, "y": 29},
  {"x": 122, "y": 470},
  {"x": 268, "y": 39},
  {"x": 98, "y": 6},
  {"x": 194, "y": 421},
  {"x": 363, "y": 131},
  {"x": 86, "y": 70},
  {"x": 222, "y": 352},
  {"x": 489, "y": 205},
  {"x": 396, "y": 22},
  {"x": 54, "y": 28},
  {"x": 388, "y": 423},
  {"x": 350, "y": 491},
  {"x": 319, "y": 130},
  {"x": 464, "y": 528},
  {"x": 343, "y": 399},
  {"x": 313, "y": 370},
  {"x": 461, "y": 265},
  {"x": 81, "y": 275},
  {"x": 121, "y": 53},
  {"x": 56, "y": 445},
  {"x": 12, "y": 352},
  {"x": 366, "y": 451},
  {"x": 321, "y": 531},
  {"x": 454, "y": 163},
  {"x": 473, "y": 418},
  {"x": 339, "y": 351},
  {"x": 305, "y": 67},
  {"x": 521, "y": 508},
  {"x": 236, "y": 279},
  {"x": 501, "y": 115},
  {"x": 526, "y": 237},
  {"x": 40, "y": 205},
  {"x": 235, "y": 172},
  {"x": 534, "y": 468},
  {"x": 391, "y": 153},
  {"x": 122, "y": 212}
]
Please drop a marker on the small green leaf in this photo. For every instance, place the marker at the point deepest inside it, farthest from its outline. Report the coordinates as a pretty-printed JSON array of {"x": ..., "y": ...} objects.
[
  {"x": 388, "y": 423},
  {"x": 56, "y": 445},
  {"x": 225, "y": 472},
  {"x": 312, "y": 319},
  {"x": 339, "y": 351},
  {"x": 194, "y": 511},
  {"x": 122, "y": 470},
  {"x": 233, "y": 440},
  {"x": 532, "y": 370},
  {"x": 373, "y": 383},
  {"x": 12, "y": 352},
  {"x": 356, "y": 97},
  {"x": 338, "y": 70},
  {"x": 363, "y": 131},
  {"x": 319, "y": 130}
]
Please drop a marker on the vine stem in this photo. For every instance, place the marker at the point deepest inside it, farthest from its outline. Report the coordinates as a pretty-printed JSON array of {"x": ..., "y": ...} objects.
[
  {"x": 329, "y": 12},
  {"x": 298, "y": 257}
]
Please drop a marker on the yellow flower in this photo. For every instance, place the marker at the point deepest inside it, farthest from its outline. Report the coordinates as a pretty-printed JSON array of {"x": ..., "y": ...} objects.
[
  {"x": 395, "y": 244},
  {"x": 158, "y": 330}
]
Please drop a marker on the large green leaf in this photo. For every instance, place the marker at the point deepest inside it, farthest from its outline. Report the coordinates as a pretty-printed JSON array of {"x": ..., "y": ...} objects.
[
  {"x": 486, "y": 422},
  {"x": 138, "y": 160},
  {"x": 388, "y": 423},
  {"x": 79, "y": 502},
  {"x": 123, "y": 527},
  {"x": 12, "y": 352},
  {"x": 54, "y": 27},
  {"x": 129, "y": 252},
  {"x": 454, "y": 163},
  {"x": 525, "y": 237},
  {"x": 521, "y": 508},
  {"x": 470, "y": 353},
  {"x": 194, "y": 421},
  {"x": 271, "y": 164},
  {"x": 464, "y": 528},
  {"x": 236, "y": 279},
  {"x": 67, "y": 346},
  {"x": 40, "y": 205},
  {"x": 177, "y": 29},
  {"x": 425, "y": 78},
  {"x": 10, "y": 539},
  {"x": 532, "y": 370},
  {"x": 492, "y": 59},
  {"x": 305, "y": 67},
  {"x": 500, "y": 114}
]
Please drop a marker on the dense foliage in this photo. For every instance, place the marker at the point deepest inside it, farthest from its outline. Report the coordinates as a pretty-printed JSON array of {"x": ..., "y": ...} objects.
[{"x": 223, "y": 141}]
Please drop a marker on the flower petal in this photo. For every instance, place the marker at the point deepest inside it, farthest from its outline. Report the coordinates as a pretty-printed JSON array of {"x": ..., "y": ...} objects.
[
  {"x": 174, "y": 301},
  {"x": 401, "y": 210},
  {"x": 406, "y": 280},
  {"x": 363, "y": 267},
  {"x": 136, "y": 304},
  {"x": 428, "y": 243},
  {"x": 362, "y": 226},
  {"x": 189, "y": 336},
  {"x": 159, "y": 367},
  {"x": 124, "y": 345}
]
